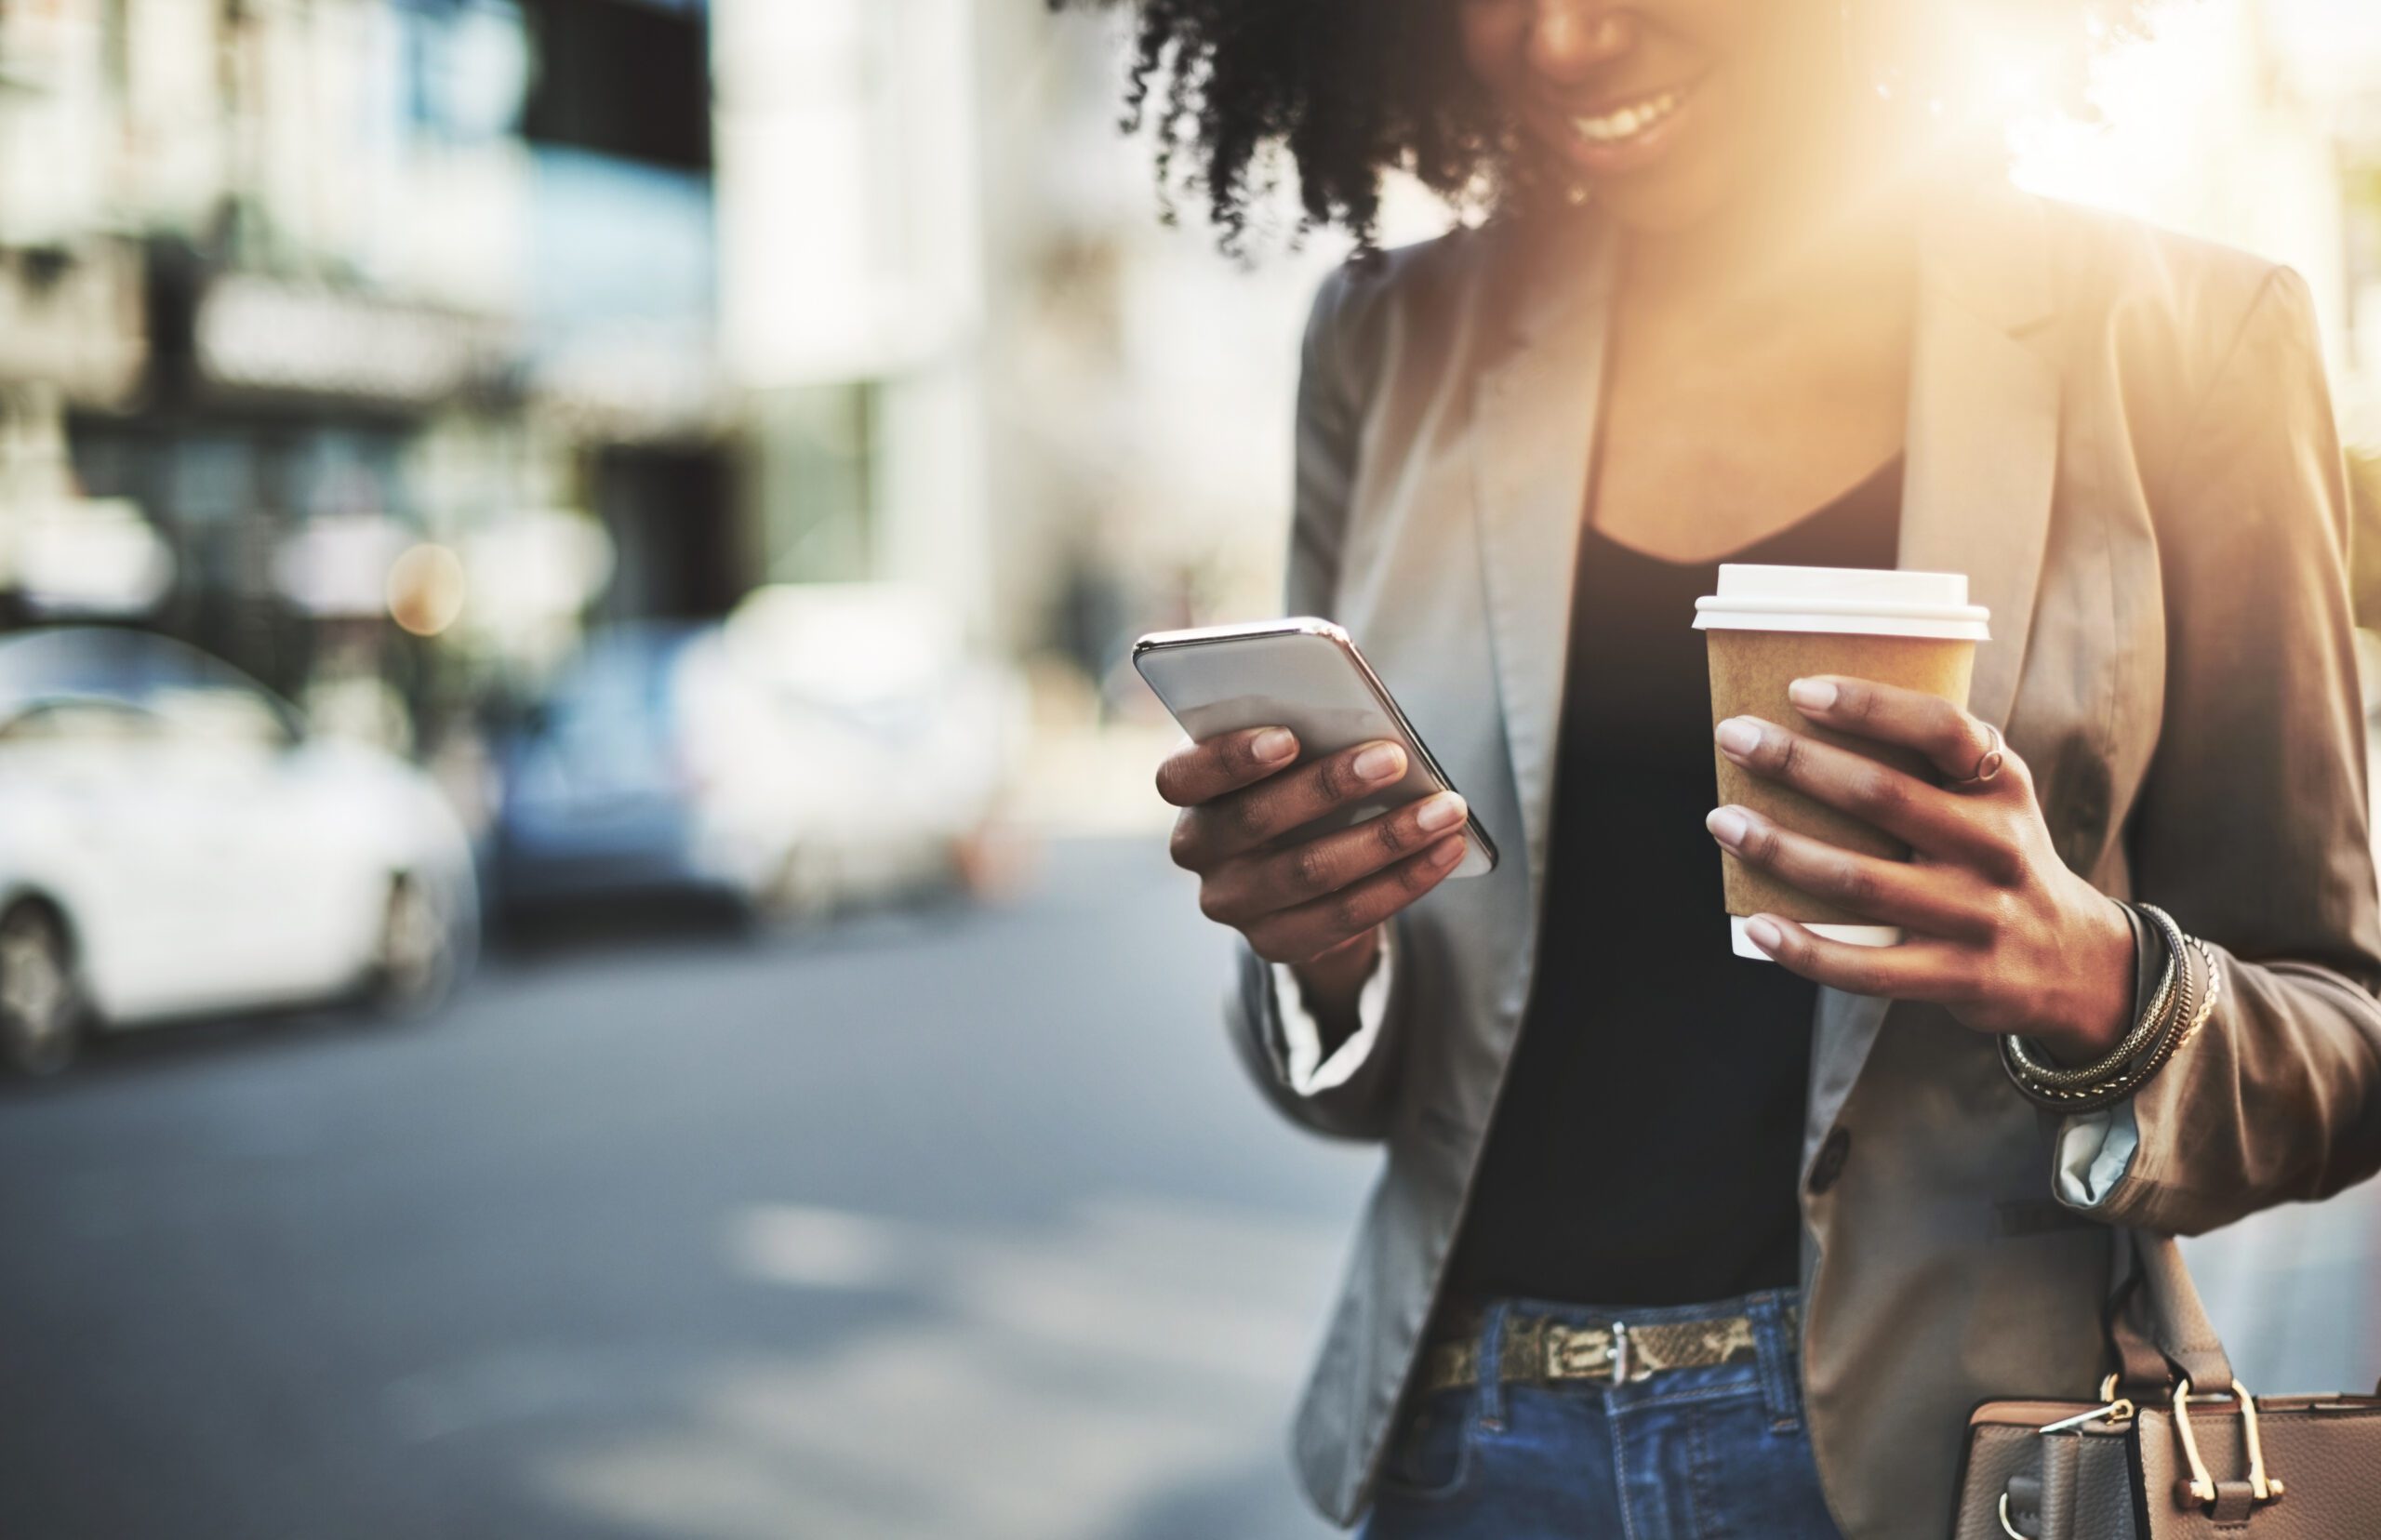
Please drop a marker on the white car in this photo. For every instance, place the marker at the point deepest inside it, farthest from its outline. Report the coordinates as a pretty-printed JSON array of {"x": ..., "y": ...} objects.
[
  {"x": 174, "y": 842},
  {"x": 856, "y": 731}
]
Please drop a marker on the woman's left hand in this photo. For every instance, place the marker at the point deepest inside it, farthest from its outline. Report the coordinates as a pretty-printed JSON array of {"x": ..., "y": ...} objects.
[{"x": 1997, "y": 929}]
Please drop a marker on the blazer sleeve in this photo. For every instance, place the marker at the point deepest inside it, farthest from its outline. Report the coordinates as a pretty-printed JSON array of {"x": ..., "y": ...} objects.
[
  {"x": 2253, "y": 825},
  {"x": 1329, "y": 420}
]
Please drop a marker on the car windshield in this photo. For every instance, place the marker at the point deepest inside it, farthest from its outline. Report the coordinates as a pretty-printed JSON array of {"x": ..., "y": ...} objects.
[
  {"x": 612, "y": 702},
  {"x": 86, "y": 721},
  {"x": 180, "y": 683},
  {"x": 613, "y": 682}
]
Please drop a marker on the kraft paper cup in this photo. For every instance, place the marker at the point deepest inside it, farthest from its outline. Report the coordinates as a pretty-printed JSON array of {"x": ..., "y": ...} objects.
[{"x": 1771, "y": 625}]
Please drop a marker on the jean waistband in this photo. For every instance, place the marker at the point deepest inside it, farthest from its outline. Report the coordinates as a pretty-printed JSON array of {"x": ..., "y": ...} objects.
[
  {"x": 1616, "y": 1351},
  {"x": 1467, "y": 1316}
]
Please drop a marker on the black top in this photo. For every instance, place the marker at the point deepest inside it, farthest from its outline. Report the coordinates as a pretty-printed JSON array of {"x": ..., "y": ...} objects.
[{"x": 1646, "y": 1148}]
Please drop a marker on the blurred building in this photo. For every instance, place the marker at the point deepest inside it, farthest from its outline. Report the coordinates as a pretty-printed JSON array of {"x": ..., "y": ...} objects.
[
  {"x": 852, "y": 284},
  {"x": 616, "y": 308},
  {"x": 289, "y": 288},
  {"x": 972, "y": 358}
]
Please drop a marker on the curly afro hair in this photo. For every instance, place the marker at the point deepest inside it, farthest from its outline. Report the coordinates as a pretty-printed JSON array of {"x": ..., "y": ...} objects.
[{"x": 1351, "y": 89}]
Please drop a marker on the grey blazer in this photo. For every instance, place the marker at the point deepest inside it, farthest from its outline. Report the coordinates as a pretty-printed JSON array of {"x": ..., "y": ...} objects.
[{"x": 2124, "y": 438}]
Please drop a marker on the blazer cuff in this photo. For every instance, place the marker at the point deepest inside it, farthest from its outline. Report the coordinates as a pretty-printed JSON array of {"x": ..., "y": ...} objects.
[{"x": 2096, "y": 1150}]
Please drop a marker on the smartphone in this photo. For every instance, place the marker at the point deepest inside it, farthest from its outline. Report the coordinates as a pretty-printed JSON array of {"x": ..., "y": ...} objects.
[{"x": 1307, "y": 675}]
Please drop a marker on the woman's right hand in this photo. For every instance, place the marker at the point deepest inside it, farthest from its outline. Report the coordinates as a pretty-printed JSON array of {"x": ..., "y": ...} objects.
[{"x": 1317, "y": 903}]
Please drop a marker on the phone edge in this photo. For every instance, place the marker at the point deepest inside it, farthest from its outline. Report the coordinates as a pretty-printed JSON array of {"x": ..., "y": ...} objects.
[
  {"x": 1297, "y": 625},
  {"x": 1471, "y": 824},
  {"x": 1309, "y": 624}
]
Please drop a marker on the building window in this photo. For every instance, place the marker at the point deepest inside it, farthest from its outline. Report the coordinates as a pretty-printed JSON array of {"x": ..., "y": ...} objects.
[{"x": 594, "y": 55}]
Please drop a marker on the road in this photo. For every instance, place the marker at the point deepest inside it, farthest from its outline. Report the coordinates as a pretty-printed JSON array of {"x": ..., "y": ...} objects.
[
  {"x": 940, "y": 1226},
  {"x": 957, "y": 1226}
]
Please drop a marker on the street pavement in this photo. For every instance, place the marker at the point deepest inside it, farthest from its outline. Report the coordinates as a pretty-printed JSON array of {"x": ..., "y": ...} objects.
[{"x": 957, "y": 1225}]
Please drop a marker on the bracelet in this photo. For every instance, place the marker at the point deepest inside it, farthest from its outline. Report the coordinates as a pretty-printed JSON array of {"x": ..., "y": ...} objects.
[
  {"x": 2173, "y": 1016},
  {"x": 2179, "y": 1025},
  {"x": 2119, "y": 1072},
  {"x": 2157, "y": 1017},
  {"x": 2207, "y": 1005},
  {"x": 2092, "y": 1098},
  {"x": 2153, "y": 1019},
  {"x": 2089, "y": 1099}
]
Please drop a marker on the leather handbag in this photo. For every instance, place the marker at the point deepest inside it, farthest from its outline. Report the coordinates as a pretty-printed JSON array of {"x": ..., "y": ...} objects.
[{"x": 2175, "y": 1448}]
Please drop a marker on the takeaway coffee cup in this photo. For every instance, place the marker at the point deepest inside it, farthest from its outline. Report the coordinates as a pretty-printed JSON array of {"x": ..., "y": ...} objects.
[{"x": 1769, "y": 626}]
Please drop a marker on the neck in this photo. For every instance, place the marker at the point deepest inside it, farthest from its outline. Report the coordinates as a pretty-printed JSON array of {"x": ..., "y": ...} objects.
[{"x": 1833, "y": 218}]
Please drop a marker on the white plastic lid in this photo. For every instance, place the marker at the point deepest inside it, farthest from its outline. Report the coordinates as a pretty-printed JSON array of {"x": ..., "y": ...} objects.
[{"x": 1858, "y": 601}]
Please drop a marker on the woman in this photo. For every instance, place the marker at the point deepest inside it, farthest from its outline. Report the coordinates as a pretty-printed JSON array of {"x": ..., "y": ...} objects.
[{"x": 1669, "y": 1243}]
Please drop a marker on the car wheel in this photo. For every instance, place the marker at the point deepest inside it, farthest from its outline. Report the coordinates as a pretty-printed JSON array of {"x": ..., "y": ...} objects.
[
  {"x": 41, "y": 1001},
  {"x": 415, "y": 964}
]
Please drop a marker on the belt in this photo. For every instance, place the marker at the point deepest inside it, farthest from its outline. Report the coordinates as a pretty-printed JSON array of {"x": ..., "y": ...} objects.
[{"x": 1541, "y": 1349}]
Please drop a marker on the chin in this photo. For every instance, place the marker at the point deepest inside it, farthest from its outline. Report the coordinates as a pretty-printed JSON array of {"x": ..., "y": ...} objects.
[
  {"x": 1658, "y": 205},
  {"x": 1672, "y": 196}
]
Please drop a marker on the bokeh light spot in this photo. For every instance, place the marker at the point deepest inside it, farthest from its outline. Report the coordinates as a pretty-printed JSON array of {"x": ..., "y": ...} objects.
[{"x": 426, "y": 590}]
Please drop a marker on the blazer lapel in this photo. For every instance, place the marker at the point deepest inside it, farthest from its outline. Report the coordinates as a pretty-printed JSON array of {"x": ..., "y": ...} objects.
[
  {"x": 1983, "y": 436},
  {"x": 1981, "y": 462},
  {"x": 1536, "y": 406}
]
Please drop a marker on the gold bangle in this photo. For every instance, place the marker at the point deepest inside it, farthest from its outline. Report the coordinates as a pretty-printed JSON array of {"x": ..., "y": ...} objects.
[{"x": 2214, "y": 992}]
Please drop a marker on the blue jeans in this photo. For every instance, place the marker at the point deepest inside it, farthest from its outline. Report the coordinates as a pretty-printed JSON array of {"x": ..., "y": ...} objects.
[{"x": 1682, "y": 1454}]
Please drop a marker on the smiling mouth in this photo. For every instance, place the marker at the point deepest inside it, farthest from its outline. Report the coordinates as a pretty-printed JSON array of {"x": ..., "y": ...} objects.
[{"x": 1632, "y": 121}]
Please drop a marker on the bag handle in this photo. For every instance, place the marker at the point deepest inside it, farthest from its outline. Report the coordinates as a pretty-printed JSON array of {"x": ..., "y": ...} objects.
[
  {"x": 2166, "y": 1332},
  {"x": 2159, "y": 1324}
]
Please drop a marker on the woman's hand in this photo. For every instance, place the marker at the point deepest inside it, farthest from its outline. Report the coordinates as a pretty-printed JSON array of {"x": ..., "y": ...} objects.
[
  {"x": 1318, "y": 903},
  {"x": 1997, "y": 929}
]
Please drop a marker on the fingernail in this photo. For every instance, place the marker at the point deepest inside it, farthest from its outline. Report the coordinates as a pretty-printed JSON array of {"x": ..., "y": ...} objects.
[
  {"x": 1812, "y": 695},
  {"x": 1445, "y": 852},
  {"x": 1274, "y": 743},
  {"x": 1380, "y": 761},
  {"x": 1439, "y": 812},
  {"x": 1764, "y": 934},
  {"x": 1726, "y": 824},
  {"x": 1738, "y": 737}
]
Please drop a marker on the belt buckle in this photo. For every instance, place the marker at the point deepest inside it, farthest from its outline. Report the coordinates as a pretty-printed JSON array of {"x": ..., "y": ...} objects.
[
  {"x": 1576, "y": 1353},
  {"x": 1600, "y": 1353}
]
